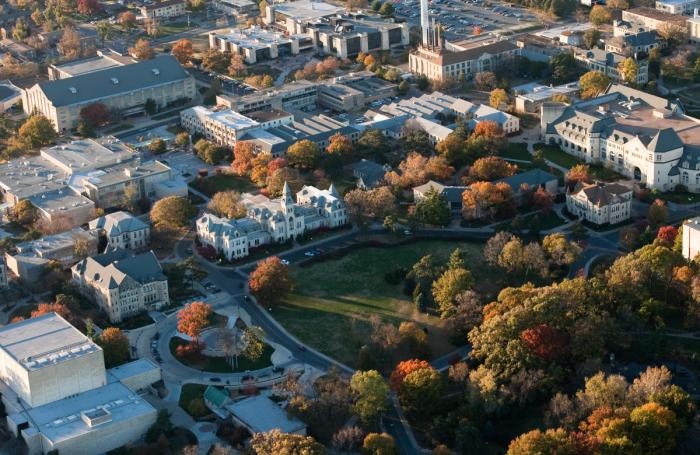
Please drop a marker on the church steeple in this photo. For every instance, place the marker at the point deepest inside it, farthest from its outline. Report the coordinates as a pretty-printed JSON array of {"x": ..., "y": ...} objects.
[
  {"x": 287, "y": 200},
  {"x": 333, "y": 190}
]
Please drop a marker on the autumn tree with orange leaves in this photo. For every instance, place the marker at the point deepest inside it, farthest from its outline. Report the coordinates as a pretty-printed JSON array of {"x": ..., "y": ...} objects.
[
  {"x": 416, "y": 170},
  {"x": 485, "y": 200},
  {"x": 58, "y": 308},
  {"x": 192, "y": 319},
  {"x": 270, "y": 281},
  {"x": 243, "y": 154},
  {"x": 405, "y": 368}
]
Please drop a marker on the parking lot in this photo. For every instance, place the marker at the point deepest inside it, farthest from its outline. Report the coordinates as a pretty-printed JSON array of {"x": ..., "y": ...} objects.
[
  {"x": 229, "y": 85},
  {"x": 460, "y": 18}
]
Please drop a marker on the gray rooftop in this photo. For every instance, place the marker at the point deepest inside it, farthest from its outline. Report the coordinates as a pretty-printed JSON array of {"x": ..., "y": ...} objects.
[
  {"x": 45, "y": 340},
  {"x": 115, "y": 81},
  {"x": 63, "y": 419},
  {"x": 261, "y": 415},
  {"x": 111, "y": 269},
  {"x": 117, "y": 223}
]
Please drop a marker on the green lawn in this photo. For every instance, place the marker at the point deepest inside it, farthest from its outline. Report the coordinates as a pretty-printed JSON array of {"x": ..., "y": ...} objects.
[
  {"x": 557, "y": 155},
  {"x": 333, "y": 296},
  {"x": 549, "y": 221},
  {"x": 219, "y": 364},
  {"x": 516, "y": 151},
  {"x": 600, "y": 172},
  {"x": 222, "y": 182},
  {"x": 679, "y": 197},
  {"x": 172, "y": 28}
]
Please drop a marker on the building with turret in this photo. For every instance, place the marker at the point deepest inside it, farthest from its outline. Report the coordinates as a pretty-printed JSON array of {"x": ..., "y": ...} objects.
[{"x": 273, "y": 220}]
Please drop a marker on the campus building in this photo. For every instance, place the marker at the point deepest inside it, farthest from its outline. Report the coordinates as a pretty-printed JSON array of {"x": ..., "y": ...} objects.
[
  {"x": 691, "y": 238},
  {"x": 642, "y": 136},
  {"x": 653, "y": 19},
  {"x": 609, "y": 63},
  {"x": 443, "y": 63},
  {"x": 257, "y": 45},
  {"x": 273, "y": 220},
  {"x": 28, "y": 260},
  {"x": 301, "y": 95},
  {"x": 677, "y": 6},
  {"x": 105, "y": 59},
  {"x": 4, "y": 280},
  {"x": 122, "y": 231},
  {"x": 164, "y": 10},
  {"x": 123, "y": 284},
  {"x": 60, "y": 398},
  {"x": 124, "y": 88},
  {"x": 66, "y": 182},
  {"x": 10, "y": 95},
  {"x": 529, "y": 97},
  {"x": 271, "y": 131},
  {"x": 600, "y": 203},
  {"x": 333, "y": 31}
]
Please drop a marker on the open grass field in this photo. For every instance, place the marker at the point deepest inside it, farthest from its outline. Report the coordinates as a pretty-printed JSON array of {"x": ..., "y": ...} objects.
[
  {"x": 222, "y": 182},
  {"x": 557, "y": 156},
  {"x": 334, "y": 299}
]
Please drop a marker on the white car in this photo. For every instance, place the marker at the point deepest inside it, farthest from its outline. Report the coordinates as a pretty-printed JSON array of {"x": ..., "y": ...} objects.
[{"x": 285, "y": 262}]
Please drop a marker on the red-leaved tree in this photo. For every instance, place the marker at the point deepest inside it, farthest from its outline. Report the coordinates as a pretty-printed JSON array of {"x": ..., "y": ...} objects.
[
  {"x": 405, "y": 368},
  {"x": 192, "y": 319},
  {"x": 270, "y": 280},
  {"x": 545, "y": 342}
]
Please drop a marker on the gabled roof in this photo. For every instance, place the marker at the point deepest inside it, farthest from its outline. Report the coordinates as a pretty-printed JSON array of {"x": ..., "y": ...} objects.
[
  {"x": 533, "y": 178},
  {"x": 117, "y": 223},
  {"x": 601, "y": 194},
  {"x": 664, "y": 141},
  {"x": 111, "y": 269},
  {"x": 114, "y": 81}
]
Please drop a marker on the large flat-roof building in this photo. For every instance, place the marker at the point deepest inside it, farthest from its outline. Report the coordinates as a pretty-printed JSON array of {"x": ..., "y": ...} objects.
[
  {"x": 256, "y": 44},
  {"x": 10, "y": 95},
  {"x": 301, "y": 95},
  {"x": 529, "y": 97},
  {"x": 335, "y": 32},
  {"x": 105, "y": 59},
  {"x": 125, "y": 88},
  {"x": 653, "y": 19},
  {"x": 691, "y": 238},
  {"x": 123, "y": 284},
  {"x": 58, "y": 395},
  {"x": 164, "y": 10},
  {"x": 645, "y": 137},
  {"x": 677, "y": 6}
]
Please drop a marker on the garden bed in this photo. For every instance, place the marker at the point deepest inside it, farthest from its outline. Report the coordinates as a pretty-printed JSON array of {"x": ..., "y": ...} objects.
[{"x": 211, "y": 364}]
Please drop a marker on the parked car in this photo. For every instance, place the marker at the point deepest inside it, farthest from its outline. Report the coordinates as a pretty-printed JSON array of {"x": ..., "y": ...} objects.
[
  {"x": 215, "y": 379},
  {"x": 285, "y": 262}
]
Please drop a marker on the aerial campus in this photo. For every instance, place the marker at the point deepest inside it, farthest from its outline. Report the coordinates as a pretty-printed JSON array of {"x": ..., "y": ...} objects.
[{"x": 304, "y": 227}]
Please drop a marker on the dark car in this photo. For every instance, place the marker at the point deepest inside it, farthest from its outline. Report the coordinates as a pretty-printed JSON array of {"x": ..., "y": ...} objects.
[
  {"x": 156, "y": 336},
  {"x": 278, "y": 370},
  {"x": 302, "y": 348},
  {"x": 215, "y": 379}
]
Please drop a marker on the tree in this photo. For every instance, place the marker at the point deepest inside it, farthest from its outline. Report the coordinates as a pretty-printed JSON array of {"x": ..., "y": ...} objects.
[
  {"x": 371, "y": 393},
  {"x": 404, "y": 86},
  {"x": 373, "y": 141},
  {"x": 416, "y": 170},
  {"x": 453, "y": 148},
  {"x": 450, "y": 284},
  {"x": 370, "y": 204},
  {"x": 490, "y": 168},
  {"x": 667, "y": 234},
  {"x": 254, "y": 343},
  {"x": 405, "y": 368},
  {"x": 142, "y": 50},
  {"x": 89, "y": 7},
  {"x": 485, "y": 80},
  {"x": 340, "y": 145},
  {"x": 498, "y": 98},
  {"x": 172, "y": 212},
  {"x": 70, "y": 46},
  {"x": 96, "y": 114},
  {"x": 227, "y": 204},
  {"x": 211, "y": 153},
  {"x": 628, "y": 70},
  {"x": 303, "y": 154},
  {"x": 593, "y": 83},
  {"x": 24, "y": 212},
  {"x": 127, "y": 19},
  {"x": 115, "y": 346},
  {"x": 243, "y": 154},
  {"x": 578, "y": 173},
  {"x": 486, "y": 200},
  {"x": 58, "y": 308},
  {"x": 433, "y": 209},
  {"x": 559, "y": 250},
  {"x": 182, "y": 139},
  {"x": 658, "y": 213},
  {"x": 563, "y": 67},
  {"x": 237, "y": 65},
  {"x": 275, "y": 441},
  {"x": 673, "y": 33},
  {"x": 21, "y": 30},
  {"x": 387, "y": 10},
  {"x": 151, "y": 26},
  {"x": 270, "y": 281},
  {"x": 618, "y": 4},
  {"x": 536, "y": 442},
  {"x": 275, "y": 182},
  {"x": 194, "y": 318},
  {"x": 654, "y": 428},
  {"x": 157, "y": 146},
  {"x": 37, "y": 131},
  {"x": 182, "y": 50},
  {"x": 542, "y": 199},
  {"x": 600, "y": 15},
  {"x": 591, "y": 37},
  {"x": 376, "y": 6},
  {"x": 348, "y": 439},
  {"x": 379, "y": 444},
  {"x": 420, "y": 390}
]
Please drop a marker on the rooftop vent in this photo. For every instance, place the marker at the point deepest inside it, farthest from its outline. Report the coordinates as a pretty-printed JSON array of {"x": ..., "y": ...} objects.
[
  {"x": 72, "y": 89},
  {"x": 115, "y": 81},
  {"x": 156, "y": 72}
]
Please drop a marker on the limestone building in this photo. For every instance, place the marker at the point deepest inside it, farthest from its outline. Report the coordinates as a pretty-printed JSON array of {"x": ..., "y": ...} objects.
[
  {"x": 58, "y": 396},
  {"x": 600, "y": 203},
  {"x": 123, "y": 231},
  {"x": 123, "y": 284}
]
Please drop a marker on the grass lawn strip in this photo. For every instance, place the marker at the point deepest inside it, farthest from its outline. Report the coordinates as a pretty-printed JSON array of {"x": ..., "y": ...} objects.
[
  {"x": 336, "y": 297},
  {"x": 222, "y": 182}
]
